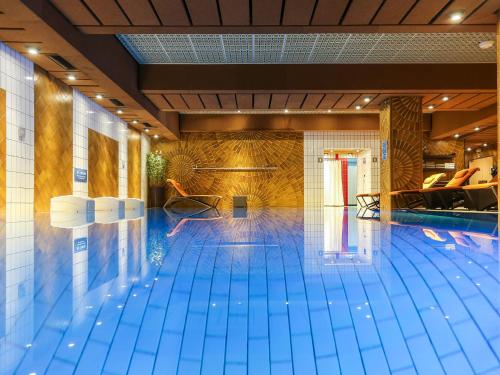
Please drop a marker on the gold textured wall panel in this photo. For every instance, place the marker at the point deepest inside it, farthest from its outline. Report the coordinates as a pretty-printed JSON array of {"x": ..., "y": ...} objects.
[
  {"x": 53, "y": 139},
  {"x": 103, "y": 166},
  {"x": 134, "y": 164},
  {"x": 283, "y": 187},
  {"x": 445, "y": 147},
  {"x": 401, "y": 123},
  {"x": 3, "y": 151}
]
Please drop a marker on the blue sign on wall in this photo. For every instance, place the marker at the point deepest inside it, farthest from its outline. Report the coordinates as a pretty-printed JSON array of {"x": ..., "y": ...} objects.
[
  {"x": 384, "y": 150},
  {"x": 80, "y": 175},
  {"x": 80, "y": 244}
]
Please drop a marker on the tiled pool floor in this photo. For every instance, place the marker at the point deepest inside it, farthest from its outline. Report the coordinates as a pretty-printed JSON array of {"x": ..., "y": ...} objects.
[{"x": 278, "y": 291}]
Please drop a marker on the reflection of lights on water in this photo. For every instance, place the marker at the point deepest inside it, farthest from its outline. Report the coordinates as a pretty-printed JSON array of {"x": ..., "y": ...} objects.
[
  {"x": 156, "y": 257},
  {"x": 98, "y": 323}
]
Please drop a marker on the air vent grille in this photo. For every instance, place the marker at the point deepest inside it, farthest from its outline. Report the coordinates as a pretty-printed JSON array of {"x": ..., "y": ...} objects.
[{"x": 62, "y": 62}]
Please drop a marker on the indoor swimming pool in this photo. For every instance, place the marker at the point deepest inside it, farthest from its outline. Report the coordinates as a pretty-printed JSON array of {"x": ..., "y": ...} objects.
[{"x": 283, "y": 291}]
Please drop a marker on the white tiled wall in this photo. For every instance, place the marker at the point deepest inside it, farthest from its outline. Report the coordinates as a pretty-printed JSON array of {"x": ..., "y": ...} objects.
[
  {"x": 89, "y": 115},
  {"x": 314, "y": 145},
  {"x": 16, "y": 78}
]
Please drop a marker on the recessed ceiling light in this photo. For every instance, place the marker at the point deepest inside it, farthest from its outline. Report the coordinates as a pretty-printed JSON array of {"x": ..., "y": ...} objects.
[
  {"x": 98, "y": 96},
  {"x": 156, "y": 136},
  {"x": 367, "y": 99},
  {"x": 431, "y": 107},
  {"x": 445, "y": 99},
  {"x": 469, "y": 149},
  {"x": 134, "y": 122},
  {"x": 485, "y": 145},
  {"x": 146, "y": 130},
  {"x": 457, "y": 16},
  {"x": 329, "y": 111},
  {"x": 358, "y": 107},
  {"x": 33, "y": 51},
  {"x": 477, "y": 128},
  {"x": 71, "y": 77},
  {"x": 239, "y": 111},
  {"x": 456, "y": 135},
  {"x": 119, "y": 111},
  {"x": 286, "y": 110}
]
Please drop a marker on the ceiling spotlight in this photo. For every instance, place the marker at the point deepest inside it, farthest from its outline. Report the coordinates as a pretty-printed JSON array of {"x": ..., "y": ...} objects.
[
  {"x": 134, "y": 122},
  {"x": 456, "y": 135},
  {"x": 485, "y": 145},
  {"x": 469, "y": 149},
  {"x": 445, "y": 99},
  {"x": 119, "y": 112},
  {"x": 156, "y": 136},
  {"x": 329, "y": 111},
  {"x": 71, "y": 77},
  {"x": 286, "y": 110},
  {"x": 477, "y": 128},
  {"x": 367, "y": 99},
  {"x": 358, "y": 107},
  {"x": 146, "y": 130},
  {"x": 485, "y": 44},
  {"x": 431, "y": 107},
  {"x": 33, "y": 51},
  {"x": 98, "y": 96},
  {"x": 457, "y": 16},
  {"x": 239, "y": 111}
]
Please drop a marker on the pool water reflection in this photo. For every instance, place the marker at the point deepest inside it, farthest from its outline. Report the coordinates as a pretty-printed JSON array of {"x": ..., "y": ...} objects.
[{"x": 277, "y": 290}]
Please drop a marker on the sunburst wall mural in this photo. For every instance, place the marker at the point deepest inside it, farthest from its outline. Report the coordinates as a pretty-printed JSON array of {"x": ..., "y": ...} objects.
[{"x": 212, "y": 163}]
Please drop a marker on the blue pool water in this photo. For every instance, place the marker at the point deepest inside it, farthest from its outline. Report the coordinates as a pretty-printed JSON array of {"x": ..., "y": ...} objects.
[{"x": 273, "y": 291}]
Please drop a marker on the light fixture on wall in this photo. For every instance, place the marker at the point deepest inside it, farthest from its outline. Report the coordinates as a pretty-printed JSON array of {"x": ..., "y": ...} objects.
[
  {"x": 239, "y": 111},
  {"x": 98, "y": 96},
  {"x": 445, "y": 98},
  {"x": 33, "y": 51},
  {"x": 71, "y": 77},
  {"x": 329, "y": 111},
  {"x": 457, "y": 16},
  {"x": 485, "y": 44}
]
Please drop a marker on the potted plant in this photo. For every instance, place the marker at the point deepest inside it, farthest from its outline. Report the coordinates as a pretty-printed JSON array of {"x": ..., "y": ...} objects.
[{"x": 156, "y": 164}]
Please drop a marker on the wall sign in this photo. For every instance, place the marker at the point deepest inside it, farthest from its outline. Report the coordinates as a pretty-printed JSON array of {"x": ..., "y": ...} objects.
[
  {"x": 80, "y": 244},
  {"x": 384, "y": 150},
  {"x": 80, "y": 175}
]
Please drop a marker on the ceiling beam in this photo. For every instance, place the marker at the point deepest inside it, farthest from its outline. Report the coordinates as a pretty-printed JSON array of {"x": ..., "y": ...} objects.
[
  {"x": 388, "y": 29},
  {"x": 368, "y": 78},
  {"x": 446, "y": 123},
  {"x": 101, "y": 57},
  {"x": 277, "y": 122}
]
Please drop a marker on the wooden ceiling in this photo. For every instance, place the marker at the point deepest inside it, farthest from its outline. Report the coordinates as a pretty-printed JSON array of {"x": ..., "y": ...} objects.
[
  {"x": 335, "y": 102},
  {"x": 484, "y": 138},
  {"x": 149, "y": 16}
]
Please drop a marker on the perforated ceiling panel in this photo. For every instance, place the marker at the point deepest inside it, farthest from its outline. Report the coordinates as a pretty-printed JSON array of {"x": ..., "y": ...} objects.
[{"x": 403, "y": 48}]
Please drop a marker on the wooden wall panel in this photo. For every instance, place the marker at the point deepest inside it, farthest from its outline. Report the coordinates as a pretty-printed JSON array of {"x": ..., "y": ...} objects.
[
  {"x": 103, "y": 166},
  {"x": 283, "y": 187},
  {"x": 401, "y": 123},
  {"x": 134, "y": 164},
  {"x": 53, "y": 139},
  {"x": 3, "y": 151}
]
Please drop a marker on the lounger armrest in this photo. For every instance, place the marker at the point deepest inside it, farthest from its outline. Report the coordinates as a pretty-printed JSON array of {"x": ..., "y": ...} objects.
[
  {"x": 444, "y": 188},
  {"x": 480, "y": 186},
  {"x": 203, "y": 195}
]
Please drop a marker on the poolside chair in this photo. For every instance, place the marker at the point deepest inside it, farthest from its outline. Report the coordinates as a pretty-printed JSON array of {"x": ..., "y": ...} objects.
[
  {"x": 481, "y": 197},
  {"x": 449, "y": 196},
  {"x": 412, "y": 198},
  {"x": 185, "y": 201},
  {"x": 369, "y": 201}
]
